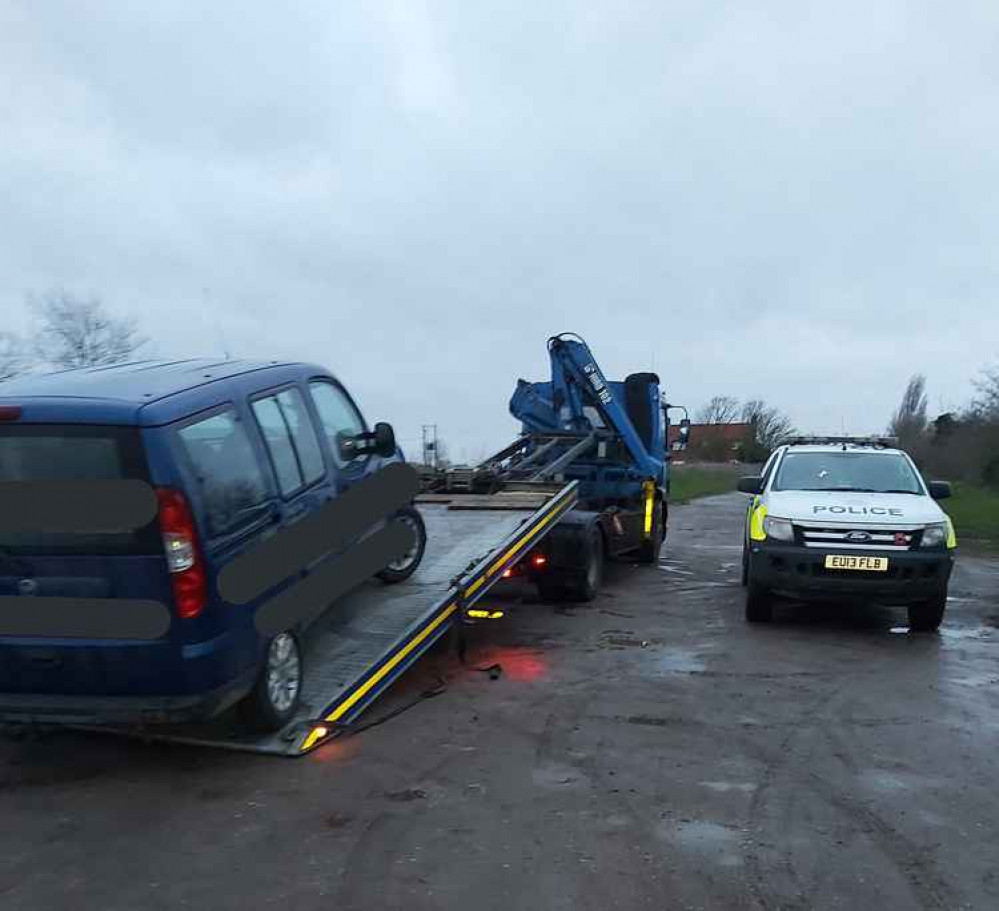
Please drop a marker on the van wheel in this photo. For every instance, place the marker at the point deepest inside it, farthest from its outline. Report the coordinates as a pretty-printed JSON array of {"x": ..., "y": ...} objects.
[
  {"x": 274, "y": 699},
  {"x": 745, "y": 565},
  {"x": 587, "y": 583},
  {"x": 403, "y": 567},
  {"x": 759, "y": 604},
  {"x": 926, "y": 616}
]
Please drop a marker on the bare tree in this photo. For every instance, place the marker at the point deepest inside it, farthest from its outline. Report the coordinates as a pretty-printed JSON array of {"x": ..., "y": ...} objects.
[
  {"x": 909, "y": 423},
  {"x": 13, "y": 357},
  {"x": 986, "y": 403},
  {"x": 722, "y": 409},
  {"x": 768, "y": 428},
  {"x": 79, "y": 332}
]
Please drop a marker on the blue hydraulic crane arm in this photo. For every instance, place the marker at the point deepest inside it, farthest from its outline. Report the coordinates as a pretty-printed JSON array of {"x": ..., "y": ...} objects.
[{"x": 576, "y": 380}]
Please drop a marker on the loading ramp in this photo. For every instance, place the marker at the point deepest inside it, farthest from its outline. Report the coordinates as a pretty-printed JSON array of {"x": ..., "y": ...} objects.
[{"x": 369, "y": 638}]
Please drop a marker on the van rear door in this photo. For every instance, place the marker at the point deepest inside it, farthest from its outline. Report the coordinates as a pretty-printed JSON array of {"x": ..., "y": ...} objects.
[{"x": 128, "y": 564}]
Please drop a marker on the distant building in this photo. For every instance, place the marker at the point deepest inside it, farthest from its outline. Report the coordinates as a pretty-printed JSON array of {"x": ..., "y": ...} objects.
[{"x": 712, "y": 442}]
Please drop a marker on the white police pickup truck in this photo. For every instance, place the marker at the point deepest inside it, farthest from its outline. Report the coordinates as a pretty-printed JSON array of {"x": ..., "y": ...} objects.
[{"x": 845, "y": 518}]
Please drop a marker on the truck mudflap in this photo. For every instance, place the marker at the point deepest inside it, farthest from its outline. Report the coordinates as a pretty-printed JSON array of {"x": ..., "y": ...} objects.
[{"x": 369, "y": 639}]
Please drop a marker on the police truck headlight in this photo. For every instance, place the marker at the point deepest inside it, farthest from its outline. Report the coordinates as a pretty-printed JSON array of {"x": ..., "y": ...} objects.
[
  {"x": 934, "y": 535},
  {"x": 778, "y": 529}
]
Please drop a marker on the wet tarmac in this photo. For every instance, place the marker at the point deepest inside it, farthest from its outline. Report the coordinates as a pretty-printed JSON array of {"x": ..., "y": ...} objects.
[{"x": 648, "y": 750}]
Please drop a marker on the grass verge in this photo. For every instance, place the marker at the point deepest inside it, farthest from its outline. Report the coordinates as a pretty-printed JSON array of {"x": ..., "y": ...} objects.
[
  {"x": 688, "y": 482},
  {"x": 975, "y": 514}
]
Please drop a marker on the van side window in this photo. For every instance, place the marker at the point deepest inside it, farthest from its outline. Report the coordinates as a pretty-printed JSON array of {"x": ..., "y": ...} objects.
[
  {"x": 337, "y": 414},
  {"x": 290, "y": 438},
  {"x": 227, "y": 469},
  {"x": 303, "y": 434}
]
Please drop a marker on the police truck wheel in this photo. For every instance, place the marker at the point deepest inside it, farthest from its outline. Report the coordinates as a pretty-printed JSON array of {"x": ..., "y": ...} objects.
[
  {"x": 405, "y": 565},
  {"x": 759, "y": 604},
  {"x": 927, "y": 616},
  {"x": 275, "y": 696},
  {"x": 587, "y": 583}
]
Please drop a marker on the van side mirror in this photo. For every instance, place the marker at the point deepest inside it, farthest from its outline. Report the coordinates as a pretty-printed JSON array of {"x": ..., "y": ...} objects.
[
  {"x": 751, "y": 484},
  {"x": 380, "y": 441},
  {"x": 384, "y": 439},
  {"x": 940, "y": 490}
]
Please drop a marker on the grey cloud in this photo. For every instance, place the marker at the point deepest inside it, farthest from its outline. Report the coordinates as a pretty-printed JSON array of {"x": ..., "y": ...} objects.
[{"x": 762, "y": 201}]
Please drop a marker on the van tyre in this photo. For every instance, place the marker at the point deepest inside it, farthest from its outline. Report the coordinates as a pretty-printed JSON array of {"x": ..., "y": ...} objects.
[
  {"x": 759, "y": 604},
  {"x": 402, "y": 568},
  {"x": 588, "y": 582},
  {"x": 745, "y": 565},
  {"x": 276, "y": 695},
  {"x": 927, "y": 616}
]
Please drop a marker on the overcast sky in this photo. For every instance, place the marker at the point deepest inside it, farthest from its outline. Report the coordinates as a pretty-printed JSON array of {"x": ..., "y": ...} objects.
[{"x": 779, "y": 199}]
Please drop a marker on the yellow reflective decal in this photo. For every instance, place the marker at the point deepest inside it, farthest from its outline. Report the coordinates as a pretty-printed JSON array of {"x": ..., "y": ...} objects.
[
  {"x": 951, "y": 535},
  {"x": 756, "y": 531}
]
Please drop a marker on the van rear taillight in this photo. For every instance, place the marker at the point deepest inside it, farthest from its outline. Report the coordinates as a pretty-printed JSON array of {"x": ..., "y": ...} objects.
[
  {"x": 10, "y": 412},
  {"x": 180, "y": 541}
]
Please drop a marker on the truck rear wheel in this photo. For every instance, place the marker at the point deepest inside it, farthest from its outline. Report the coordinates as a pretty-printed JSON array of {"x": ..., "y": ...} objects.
[
  {"x": 927, "y": 616},
  {"x": 587, "y": 583}
]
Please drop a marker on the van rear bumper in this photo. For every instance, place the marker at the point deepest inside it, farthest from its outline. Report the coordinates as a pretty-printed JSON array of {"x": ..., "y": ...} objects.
[{"x": 21, "y": 708}]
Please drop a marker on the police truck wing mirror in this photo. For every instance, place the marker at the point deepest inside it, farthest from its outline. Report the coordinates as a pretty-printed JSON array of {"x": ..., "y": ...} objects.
[
  {"x": 684, "y": 432},
  {"x": 940, "y": 490},
  {"x": 750, "y": 484}
]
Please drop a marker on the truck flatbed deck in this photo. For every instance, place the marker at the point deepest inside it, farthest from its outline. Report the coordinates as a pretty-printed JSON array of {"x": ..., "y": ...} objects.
[{"x": 370, "y": 637}]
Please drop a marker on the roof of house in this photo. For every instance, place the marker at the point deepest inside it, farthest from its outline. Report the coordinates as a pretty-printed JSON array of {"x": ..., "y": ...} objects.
[{"x": 733, "y": 433}]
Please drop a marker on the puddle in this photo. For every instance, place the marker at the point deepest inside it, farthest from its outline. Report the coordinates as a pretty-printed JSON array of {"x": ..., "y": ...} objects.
[
  {"x": 677, "y": 661},
  {"x": 707, "y": 839},
  {"x": 962, "y": 634},
  {"x": 724, "y": 787},
  {"x": 673, "y": 568}
]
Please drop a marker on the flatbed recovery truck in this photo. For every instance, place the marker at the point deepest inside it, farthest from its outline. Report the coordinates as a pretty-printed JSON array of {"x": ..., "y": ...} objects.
[
  {"x": 611, "y": 439},
  {"x": 588, "y": 478}
]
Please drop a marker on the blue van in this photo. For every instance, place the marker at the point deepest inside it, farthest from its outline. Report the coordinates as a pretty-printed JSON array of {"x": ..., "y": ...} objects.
[{"x": 234, "y": 451}]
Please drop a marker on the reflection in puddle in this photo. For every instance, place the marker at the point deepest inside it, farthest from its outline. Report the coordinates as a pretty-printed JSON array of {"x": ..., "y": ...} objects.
[
  {"x": 951, "y": 633},
  {"x": 679, "y": 662}
]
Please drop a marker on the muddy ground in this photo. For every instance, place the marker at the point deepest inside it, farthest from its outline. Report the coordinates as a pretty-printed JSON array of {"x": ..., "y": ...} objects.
[{"x": 649, "y": 750}]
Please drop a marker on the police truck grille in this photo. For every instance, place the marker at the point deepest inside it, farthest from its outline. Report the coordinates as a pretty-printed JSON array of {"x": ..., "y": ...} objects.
[{"x": 880, "y": 539}]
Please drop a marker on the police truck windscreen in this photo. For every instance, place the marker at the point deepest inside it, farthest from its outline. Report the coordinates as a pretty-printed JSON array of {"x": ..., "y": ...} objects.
[{"x": 868, "y": 472}]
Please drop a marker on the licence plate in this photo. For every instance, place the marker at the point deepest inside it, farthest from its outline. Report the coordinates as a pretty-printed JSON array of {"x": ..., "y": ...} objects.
[{"x": 870, "y": 564}]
